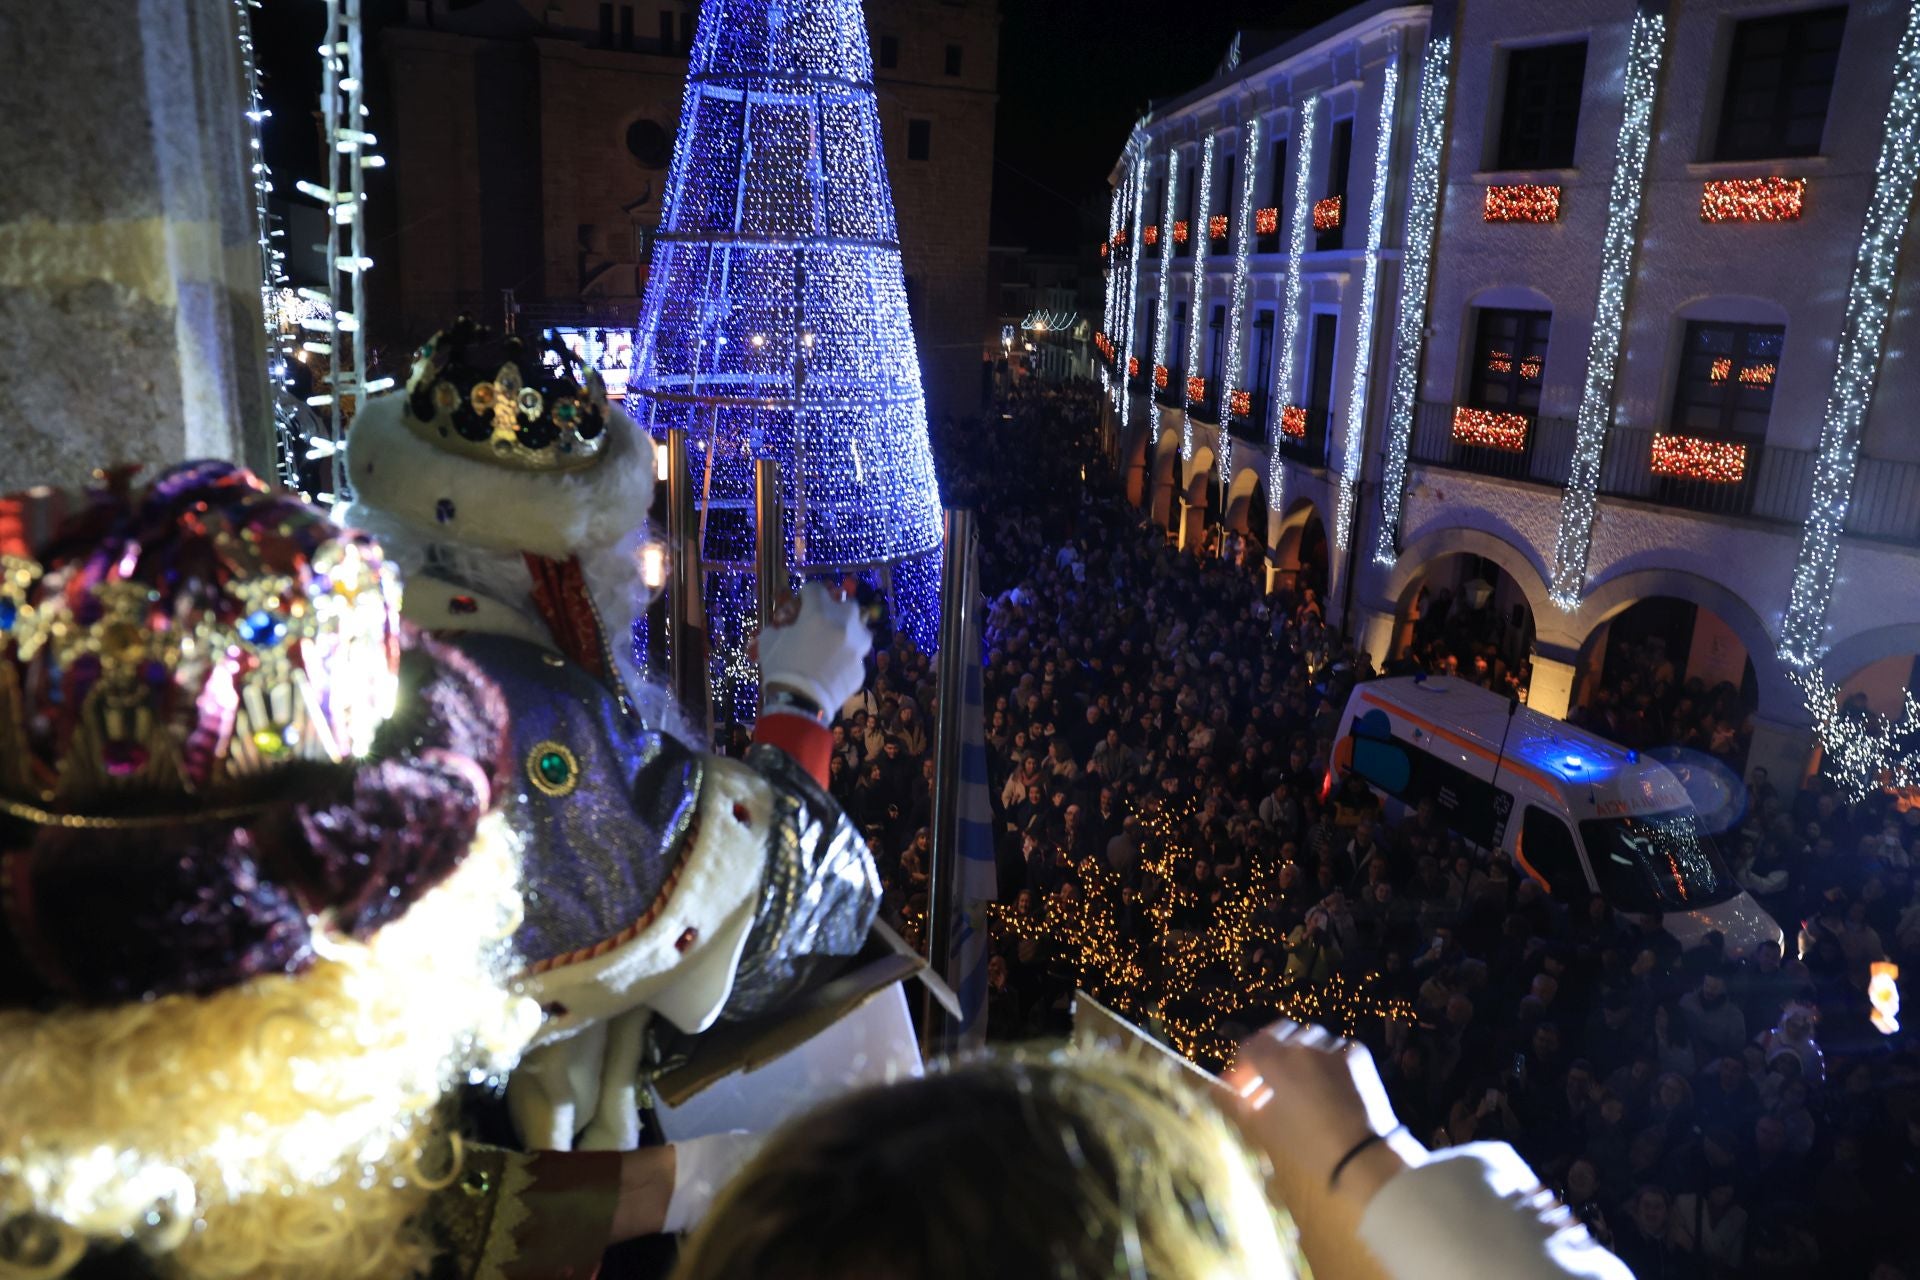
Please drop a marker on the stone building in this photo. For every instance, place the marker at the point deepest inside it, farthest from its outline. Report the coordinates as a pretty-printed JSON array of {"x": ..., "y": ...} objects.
[
  {"x": 530, "y": 143},
  {"x": 1692, "y": 183}
]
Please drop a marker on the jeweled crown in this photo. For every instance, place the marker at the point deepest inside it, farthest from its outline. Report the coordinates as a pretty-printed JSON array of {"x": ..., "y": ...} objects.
[
  {"x": 497, "y": 402},
  {"x": 167, "y": 657}
]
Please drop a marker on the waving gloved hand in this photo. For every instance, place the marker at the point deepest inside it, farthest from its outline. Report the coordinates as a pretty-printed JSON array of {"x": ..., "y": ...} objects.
[{"x": 816, "y": 647}]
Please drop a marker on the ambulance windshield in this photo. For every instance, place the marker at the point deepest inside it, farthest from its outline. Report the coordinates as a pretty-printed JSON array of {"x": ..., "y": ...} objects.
[{"x": 1657, "y": 862}]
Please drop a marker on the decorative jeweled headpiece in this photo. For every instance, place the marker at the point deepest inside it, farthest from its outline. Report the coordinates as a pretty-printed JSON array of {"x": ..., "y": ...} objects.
[
  {"x": 506, "y": 406},
  {"x": 174, "y": 655}
]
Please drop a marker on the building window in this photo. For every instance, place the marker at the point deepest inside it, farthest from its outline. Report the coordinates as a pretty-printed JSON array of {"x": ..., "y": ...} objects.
[
  {"x": 1543, "y": 106},
  {"x": 1339, "y": 163},
  {"x": 649, "y": 143},
  {"x": 1277, "y": 188},
  {"x": 1219, "y": 346},
  {"x": 626, "y": 26},
  {"x": 666, "y": 31},
  {"x": 889, "y": 52},
  {"x": 1726, "y": 379},
  {"x": 606, "y": 26},
  {"x": 686, "y": 32},
  {"x": 953, "y": 59},
  {"x": 919, "y": 139},
  {"x": 1262, "y": 352},
  {"x": 1779, "y": 80},
  {"x": 1509, "y": 356}
]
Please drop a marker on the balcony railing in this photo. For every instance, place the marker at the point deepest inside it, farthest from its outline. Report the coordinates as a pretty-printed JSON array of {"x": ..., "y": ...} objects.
[
  {"x": 1774, "y": 482},
  {"x": 1309, "y": 449},
  {"x": 1886, "y": 500},
  {"x": 1543, "y": 459},
  {"x": 1250, "y": 426},
  {"x": 1174, "y": 394}
]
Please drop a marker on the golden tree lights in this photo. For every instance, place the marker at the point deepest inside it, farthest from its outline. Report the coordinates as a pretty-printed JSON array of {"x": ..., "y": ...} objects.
[
  {"x": 1646, "y": 47},
  {"x": 1326, "y": 213},
  {"x": 1521, "y": 202},
  {"x": 1487, "y": 429},
  {"x": 1691, "y": 458},
  {"x": 1192, "y": 973},
  {"x": 1416, "y": 271},
  {"x": 1753, "y": 200}
]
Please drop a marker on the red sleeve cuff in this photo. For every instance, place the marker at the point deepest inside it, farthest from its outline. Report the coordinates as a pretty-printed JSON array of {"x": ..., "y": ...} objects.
[{"x": 808, "y": 741}]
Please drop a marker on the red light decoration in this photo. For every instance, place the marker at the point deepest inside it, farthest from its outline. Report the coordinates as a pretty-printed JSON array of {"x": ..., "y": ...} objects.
[
  {"x": 1133, "y": 366},
  {"x": 1326, "y": 213},
  {"x": 1217, "y": 226},
  {"x": 1240, "y": 403},
  {"x": 1105, "y": 344},
  {"x": 1266, "y": 222},
  {"x": 1293, "y": 422},
  {"x": 1119, "y": 237},
  {"x": 1753, "y": 200},
  {"x": 1530, "y": 368},
  {"x": 1197, "y": 389},
  {"x": 1487, "y": 429},
  {"x": 1499, "y": 362},
  {"x": 1151, "y": 236},
  {"x": 1721, "y": 368},
  {"x": 1757, "y": 375},
  {"x": 1180, "y": 231},
  {"x": 1691, "y": 458},
  {"x": 1160, "y": 376},
  {"x": 1521, "y": 202},
  {"x": 1103, "y": 248}
]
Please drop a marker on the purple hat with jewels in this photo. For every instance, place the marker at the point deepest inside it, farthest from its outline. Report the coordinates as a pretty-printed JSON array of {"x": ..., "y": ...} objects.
[{"x": 200, "y": 764}]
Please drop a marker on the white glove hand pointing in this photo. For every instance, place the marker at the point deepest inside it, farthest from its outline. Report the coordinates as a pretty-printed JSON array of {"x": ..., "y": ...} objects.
[{"x": 820, "y": 652}]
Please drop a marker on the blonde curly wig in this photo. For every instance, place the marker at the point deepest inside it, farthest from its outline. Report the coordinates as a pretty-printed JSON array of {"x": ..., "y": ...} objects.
[{"x": 291, "y": 1126}]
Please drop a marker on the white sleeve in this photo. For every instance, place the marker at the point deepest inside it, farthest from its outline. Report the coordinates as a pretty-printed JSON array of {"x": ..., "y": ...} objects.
[{"x": 1477, "y": 1211}]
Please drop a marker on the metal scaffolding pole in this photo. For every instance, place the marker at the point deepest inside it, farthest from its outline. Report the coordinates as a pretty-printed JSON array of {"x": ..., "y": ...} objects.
[
  {"x": 769, "y": 546},
  {"x": 686, "y": 623},
  {"x": 943, "y": 900}
]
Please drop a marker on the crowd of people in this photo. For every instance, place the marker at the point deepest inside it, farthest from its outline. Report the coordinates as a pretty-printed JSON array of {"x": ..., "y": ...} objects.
[{"x": 1158, "y": 730}]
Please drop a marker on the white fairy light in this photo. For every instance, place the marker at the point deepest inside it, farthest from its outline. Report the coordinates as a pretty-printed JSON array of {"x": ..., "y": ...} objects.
[
  {"x": 1130, "y": 303},
  {"x": 1112, "y": 299},
  {"x": 1237, "y": 300},
  {"x": 1197, "y": 230},
  {"x": 1416, "y": 272},
  {"x": 1166, "y": 270},
  {"x": 1863, "y": 335},
  {"x": 1862, "y": 751},
  {"x": 1303, "y": 134},
  {"x": 1645, "y": 47},
  {"x": 1353, "y": 446}
]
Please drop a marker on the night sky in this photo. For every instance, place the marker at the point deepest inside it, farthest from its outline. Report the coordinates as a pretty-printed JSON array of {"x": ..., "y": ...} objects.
[{"x": 1074, "y": 74}]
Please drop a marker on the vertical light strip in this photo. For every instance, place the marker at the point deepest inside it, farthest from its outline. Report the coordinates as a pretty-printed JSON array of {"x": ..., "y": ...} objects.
[
  {"x": 1166, "y": 281},
  {"x": 1646, "y": 45},
  {"x": 1353, "y": 446},
  {"x": 1237, "y": 302},
  {"x": 1197, "y": 231},
  {"x": 1289, "y": 319},
  {"x": 1112, "y": 258},
  {"x": 1130, "y": 301},
  {"x": 1863, "y": 336},
  {"x": 1416, "y": 272}
]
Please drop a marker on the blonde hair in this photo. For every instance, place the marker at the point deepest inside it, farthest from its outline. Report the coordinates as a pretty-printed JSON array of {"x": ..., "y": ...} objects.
[
  {"x": 1072, "y": 1163},
  {"x": 283, "y": 1127}
]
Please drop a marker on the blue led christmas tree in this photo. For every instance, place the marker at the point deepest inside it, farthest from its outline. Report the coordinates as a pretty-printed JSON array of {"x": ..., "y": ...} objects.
[{"x": 775, "y": 322}]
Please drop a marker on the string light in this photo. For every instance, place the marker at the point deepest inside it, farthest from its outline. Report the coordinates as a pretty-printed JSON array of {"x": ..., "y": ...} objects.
[
  {"x": 1753, "y": 200},
  {"x": 1416, "y": 272},
  {"x": 754, "y": 242},
  {"x": 1160, "y": 357},
  {"x": 1486, "y": 429},
  {"x": 1861, "y": 751},
  {"x": 1326, "y": 213},
  {"x": 1130, "y": 302},
  {"x": 1199, "y": 299},
  {"x": 1863, "y": 333},
  {"x": 1354, "y": 444},
  {"x": 1691, "y": 458},
  {"x": 1646, "y": 45},
  {"x": 1290, "y": 313},
  {"x": 1521, "y": 202},
  {"x": 1239, "y": 402}
]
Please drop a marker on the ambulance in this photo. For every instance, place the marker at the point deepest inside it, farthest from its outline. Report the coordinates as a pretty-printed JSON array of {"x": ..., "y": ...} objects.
[{"x": 1577, "y": 813}]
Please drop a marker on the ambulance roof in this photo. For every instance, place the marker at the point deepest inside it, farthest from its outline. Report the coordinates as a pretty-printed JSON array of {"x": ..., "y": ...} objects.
[{"x": 1554, "y": 753}]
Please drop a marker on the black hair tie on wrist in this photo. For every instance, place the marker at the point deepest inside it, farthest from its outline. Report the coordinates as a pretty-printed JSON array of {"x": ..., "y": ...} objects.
[{"x": 1354, "y": 1151}]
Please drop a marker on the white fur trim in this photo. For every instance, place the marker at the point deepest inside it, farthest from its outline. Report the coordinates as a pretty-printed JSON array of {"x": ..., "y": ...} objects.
[
  {"x": 554, "y": 514},
  {"x": 715, "y": 897}
]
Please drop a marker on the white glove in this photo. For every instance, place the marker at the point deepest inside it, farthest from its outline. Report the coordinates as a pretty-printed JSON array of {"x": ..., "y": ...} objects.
[
  {"x": 701, "y": 1168},
  {"x": 819, "y": 652}
]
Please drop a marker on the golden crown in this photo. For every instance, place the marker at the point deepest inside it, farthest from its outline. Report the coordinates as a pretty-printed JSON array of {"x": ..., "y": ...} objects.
[
  {"x": 514, "y": 411},
  {"x": 175, "y": 654}
]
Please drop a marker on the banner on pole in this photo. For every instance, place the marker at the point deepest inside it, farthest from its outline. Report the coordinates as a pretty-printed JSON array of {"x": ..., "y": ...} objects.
[{"x": 976, "y": 881}]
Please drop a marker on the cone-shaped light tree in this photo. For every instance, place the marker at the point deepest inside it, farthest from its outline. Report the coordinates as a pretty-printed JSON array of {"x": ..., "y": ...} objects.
[{"x": 775, "y": 322}]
